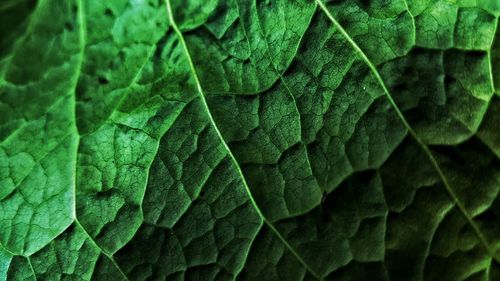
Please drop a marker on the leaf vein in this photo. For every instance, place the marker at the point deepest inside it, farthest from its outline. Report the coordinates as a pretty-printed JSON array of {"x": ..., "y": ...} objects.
[
  {"x": 230, "y": 154},
  {"x": 420, "y": 142}
]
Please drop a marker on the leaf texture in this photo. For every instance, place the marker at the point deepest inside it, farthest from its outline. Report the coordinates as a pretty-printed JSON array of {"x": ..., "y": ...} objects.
[{"x": 249, "y": 140}]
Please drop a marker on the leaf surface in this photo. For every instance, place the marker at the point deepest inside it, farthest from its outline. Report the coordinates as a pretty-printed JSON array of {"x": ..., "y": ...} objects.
[{"x": 249, "y": 140}]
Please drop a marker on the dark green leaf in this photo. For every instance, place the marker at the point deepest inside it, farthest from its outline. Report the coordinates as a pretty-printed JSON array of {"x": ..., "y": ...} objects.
[{"x": 249, "y": 140}]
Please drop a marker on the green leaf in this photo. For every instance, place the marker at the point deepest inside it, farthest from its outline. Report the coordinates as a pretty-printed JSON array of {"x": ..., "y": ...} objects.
[{"x": 249, "y": 140}]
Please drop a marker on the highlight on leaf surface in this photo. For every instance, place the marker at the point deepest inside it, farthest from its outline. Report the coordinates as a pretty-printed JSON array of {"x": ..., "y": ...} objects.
[{"x": 249, "y": 140}]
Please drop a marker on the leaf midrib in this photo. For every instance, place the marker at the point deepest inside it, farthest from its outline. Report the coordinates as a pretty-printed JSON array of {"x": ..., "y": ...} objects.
[
  {"x": 414, "y": 135},
  {"x": 229, "y": 152}
]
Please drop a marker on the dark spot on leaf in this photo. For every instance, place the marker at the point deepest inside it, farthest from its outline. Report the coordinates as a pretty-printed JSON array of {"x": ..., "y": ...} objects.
[
  {"x": 69, "y": 26},
  {"x": 103, "y": 80},
  {"x": 160, "y": 46},
  {"x": 121, "y": 55},
  {"x": 108, "y": 12},
  {"x": 448, "y": 80}
]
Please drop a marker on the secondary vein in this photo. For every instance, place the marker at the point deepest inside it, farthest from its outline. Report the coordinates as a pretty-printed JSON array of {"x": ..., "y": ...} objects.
[
  {"x": 104, "y": 252},
  {"x": 282, "y": 79},
  {"x": 32, "y": 268},
  {"x": 229, "y": 152},
  {"x": 420, "y": 142}
]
